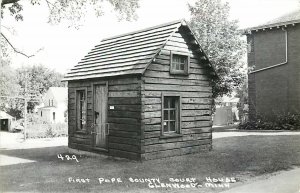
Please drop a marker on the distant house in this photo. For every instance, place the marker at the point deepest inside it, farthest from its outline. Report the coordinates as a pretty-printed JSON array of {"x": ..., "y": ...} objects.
[
  {"x": 274, "y": 60},
  {"x": 142, "y": 95},
  {"x": 5, "y": 121},
  {"x": 54, "y": 105},
  {"x": 226, "y": 110}
]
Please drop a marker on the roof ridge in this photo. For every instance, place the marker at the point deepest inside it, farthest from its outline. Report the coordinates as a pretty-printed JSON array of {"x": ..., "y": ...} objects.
[
  {"x": 123, "y": 60},
  {"x": 145, "y": 29}
]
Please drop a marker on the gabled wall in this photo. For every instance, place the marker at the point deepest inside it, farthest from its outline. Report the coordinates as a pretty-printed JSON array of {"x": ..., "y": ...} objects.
[{"x": 196, "y": 95}]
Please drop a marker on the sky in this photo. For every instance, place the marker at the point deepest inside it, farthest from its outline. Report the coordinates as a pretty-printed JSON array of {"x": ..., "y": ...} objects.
[{"x": 62, "y": 47}]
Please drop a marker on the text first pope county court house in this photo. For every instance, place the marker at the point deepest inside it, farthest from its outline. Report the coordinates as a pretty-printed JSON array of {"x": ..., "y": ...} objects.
[{"x": 142, "y": 95}]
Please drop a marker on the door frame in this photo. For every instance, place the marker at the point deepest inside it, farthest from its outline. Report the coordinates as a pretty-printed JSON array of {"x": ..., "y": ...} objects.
[{"x": 93, "y": 115}]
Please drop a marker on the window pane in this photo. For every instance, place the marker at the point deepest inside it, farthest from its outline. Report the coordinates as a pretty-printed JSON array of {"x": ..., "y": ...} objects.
[
  {"x": 172, "y": 114},
  {"x": 179, "y": 62},
  {"x": 172, "y": 125},
  {"x": 166, "y": 116},
  {"x": 173, "y": 99},
  {"x": 166, "y": 101},
  {"x": 170, "y": 119},
  {"x": 166, "y": 126},
  {"x": 83, "y": 113},
  {"x": 81, "y": 109},
  {"x": 181, "y": 67}
]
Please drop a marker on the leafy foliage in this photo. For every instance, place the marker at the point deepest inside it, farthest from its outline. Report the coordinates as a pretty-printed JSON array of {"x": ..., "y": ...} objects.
[
  {"x": 74, "y": 10},
  {"x": 288, "y": 121},
  {"x": 39, "y": 79},
  {"x": 222, "y": 42},
  {"x": 12, "y": 84},
  {"x": 9, "y": 87}
]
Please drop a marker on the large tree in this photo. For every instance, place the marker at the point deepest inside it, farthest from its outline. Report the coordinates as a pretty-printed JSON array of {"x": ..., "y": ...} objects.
[
  {"x": 37, "y": 79},
  {"x": 30, "y": 82},
  {"x": 71, "y": 10},
  {"x": 220, "y": 38}
]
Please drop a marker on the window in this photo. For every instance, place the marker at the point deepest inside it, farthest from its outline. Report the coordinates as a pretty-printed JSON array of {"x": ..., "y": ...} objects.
[
  {"x": 81, "y": 109},
  {"x": 41, "y": 113},
  {"x": 179, "y": 64},
  {"x": 170, "y": 114},
  {"x": 53, "y": 116},
  {"x": 52, "y": 102}
]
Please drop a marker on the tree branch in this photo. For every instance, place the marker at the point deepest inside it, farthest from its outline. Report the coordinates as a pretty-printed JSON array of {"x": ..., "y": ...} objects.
[
  {"x": 4, "y": 2},
  {"x": 17, "y": 51},
  {"x": 10, "y": 30}
]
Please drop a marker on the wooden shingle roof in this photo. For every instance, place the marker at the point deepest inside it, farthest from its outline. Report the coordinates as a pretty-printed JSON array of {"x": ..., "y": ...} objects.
[{"x": 129, "y": 53}]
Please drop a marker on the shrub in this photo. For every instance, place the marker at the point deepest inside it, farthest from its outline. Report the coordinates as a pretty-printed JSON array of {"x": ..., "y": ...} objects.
[
  {"x": 287, "y": 121},
  {"x": 46, "y": 130}
]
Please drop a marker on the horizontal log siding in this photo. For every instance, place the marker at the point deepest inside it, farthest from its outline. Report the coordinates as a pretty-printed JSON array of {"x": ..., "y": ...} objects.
[
  {"x": 124, "y": 120},
  {"x": 196, "y": 100}
]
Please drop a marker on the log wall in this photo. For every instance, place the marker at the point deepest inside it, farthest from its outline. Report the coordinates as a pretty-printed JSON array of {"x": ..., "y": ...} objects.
[
  {"x": 123, "y": 120},
  {"x": 196, "y": 99}
]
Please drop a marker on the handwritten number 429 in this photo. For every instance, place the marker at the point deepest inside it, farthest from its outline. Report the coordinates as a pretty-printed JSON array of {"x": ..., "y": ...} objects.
[{"x": 67, "y": 157}]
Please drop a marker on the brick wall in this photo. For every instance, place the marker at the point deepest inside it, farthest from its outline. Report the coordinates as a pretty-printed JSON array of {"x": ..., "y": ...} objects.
[{"x": 274, "y": 90}]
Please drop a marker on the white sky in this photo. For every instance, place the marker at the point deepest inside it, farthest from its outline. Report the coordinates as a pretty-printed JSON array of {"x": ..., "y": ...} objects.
[{"x": 64, "y": 47}]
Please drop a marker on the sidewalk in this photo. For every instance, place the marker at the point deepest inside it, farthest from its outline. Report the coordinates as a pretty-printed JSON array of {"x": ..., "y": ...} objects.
[
  {"x": 284, "y": 182},
  {"x": 247, "y": 133}
]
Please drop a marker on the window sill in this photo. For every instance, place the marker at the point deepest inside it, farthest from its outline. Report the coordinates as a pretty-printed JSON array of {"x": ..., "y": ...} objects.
[
  {"x": 173, "y": 135},
  {"x": 83, "y": 132},
  {"x": 183, "y": 73}
]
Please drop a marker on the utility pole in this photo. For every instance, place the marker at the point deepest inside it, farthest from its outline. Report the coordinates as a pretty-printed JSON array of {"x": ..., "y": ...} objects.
[
  {"x": 27, "y": 98},
  {"x": 25, "y": 106}
]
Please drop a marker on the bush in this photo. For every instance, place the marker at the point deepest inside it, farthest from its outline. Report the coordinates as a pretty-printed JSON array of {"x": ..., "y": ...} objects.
[
  {"x": 44, "y": 130},
  {"x": 287, "y": 121}
]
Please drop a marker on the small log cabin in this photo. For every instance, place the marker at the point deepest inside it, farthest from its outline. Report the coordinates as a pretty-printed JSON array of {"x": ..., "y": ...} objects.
[{"x": 142, "y": 95}]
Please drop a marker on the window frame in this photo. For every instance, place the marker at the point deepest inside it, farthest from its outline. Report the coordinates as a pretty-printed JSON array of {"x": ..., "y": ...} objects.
[
  {"x": 84, "y": 127},
  {"x": 178, "y": 109},
  {"x": 179, "y": 72}
]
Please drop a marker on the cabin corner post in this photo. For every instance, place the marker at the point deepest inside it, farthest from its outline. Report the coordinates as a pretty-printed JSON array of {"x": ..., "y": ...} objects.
[{"x": 142, "y": 137}]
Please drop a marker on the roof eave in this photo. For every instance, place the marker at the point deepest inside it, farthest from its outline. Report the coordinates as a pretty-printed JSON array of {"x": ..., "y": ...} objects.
[{"x": 270, "y": 26}]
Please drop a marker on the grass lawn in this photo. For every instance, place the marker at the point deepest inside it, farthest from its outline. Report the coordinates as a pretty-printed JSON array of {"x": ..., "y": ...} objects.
[{"x": 244, "y": 158}]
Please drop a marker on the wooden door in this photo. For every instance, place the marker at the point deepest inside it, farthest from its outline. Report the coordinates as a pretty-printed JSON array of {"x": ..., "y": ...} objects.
[{"x": 100, "y": 115}]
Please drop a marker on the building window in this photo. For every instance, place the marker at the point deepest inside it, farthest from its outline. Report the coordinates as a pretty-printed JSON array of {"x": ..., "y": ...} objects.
[
  {"x": 179, "y": 64},
  {"x": 53, "y": 116},
  {"x": 81, "y": 105},
  {"x": 49, "y": 103},
  {"x": 41, "y": 113},
  {"x": 52, "y": 102},
  {"x": 170, "y": 114}
]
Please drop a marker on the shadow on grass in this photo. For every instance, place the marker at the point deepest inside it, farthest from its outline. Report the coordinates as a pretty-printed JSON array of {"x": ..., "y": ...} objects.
[
  {"x": 239, "y": 157},
  {"x": 37, "y": 154}
]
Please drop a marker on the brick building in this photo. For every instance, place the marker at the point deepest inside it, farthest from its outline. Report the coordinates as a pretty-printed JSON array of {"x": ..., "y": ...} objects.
[{"x": 274, "y": 60}]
